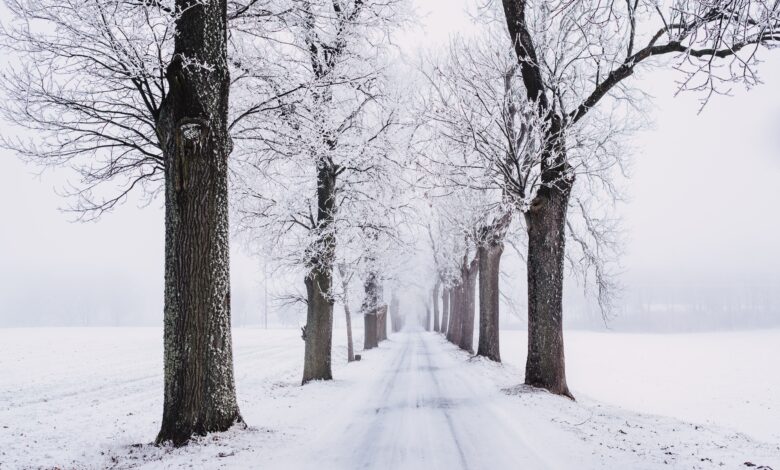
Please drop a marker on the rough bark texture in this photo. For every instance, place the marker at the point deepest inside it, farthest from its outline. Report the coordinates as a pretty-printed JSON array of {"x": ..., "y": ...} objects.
[
  {"x": 469, "y": 275},
  {"x": 200, "y": 392},
  {"x": 436, "y": 288},
  {"x": 546, "y": 221},
  {"x": 319, "y": 282},
  {"x": 445, "y": 314},
  {"x": 489, "y": 271}
]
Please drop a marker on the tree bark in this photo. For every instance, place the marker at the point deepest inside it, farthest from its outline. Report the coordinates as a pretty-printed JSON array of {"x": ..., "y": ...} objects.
[
  {"x": 546, "y": 222},
  {"x": 200, "y": 394},
  {"x": 456, "y": 312},
  {"x": 436, "y": 288},
  {"x": 370, "y": 311},
  {"x": 370, "y": 339},
  {"x": 319, "y": 282},
  {"x": 445, "y": 315},
  {"x": 489, "y": 271},
  {"x": 469, "y": 275}
]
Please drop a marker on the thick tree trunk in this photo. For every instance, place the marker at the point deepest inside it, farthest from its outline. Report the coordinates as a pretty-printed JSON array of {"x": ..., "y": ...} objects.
[
  {"x": 319, "y": 327},
  {"x": 370, "y": 310},
  {"x": 200, "y": 394},
  {"x": 469, "y": 305},
  {"x": 546, "y": 222},
  {"x": 445, "y": 314},
  {"x": 370, "y": 339},
  {"x": 489, "y": 271},
  {"x": 428, "y": 317},
  {"x": 319, "y": 282},
  {"x": 436, "y": 326}
]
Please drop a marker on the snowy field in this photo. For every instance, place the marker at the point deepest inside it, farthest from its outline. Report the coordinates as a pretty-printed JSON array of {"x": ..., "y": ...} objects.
[{"x": 76, "y": 398}]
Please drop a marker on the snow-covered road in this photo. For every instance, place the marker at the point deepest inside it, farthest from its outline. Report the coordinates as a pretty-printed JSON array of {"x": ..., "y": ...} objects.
[{"x": 423, "y": 411}]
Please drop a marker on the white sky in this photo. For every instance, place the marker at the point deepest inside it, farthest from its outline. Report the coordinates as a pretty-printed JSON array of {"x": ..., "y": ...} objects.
[{"x": 704, "y": 206}]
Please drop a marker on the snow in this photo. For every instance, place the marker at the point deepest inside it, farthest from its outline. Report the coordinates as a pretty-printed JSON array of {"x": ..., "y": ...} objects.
[{"x": 92, "y": 398}]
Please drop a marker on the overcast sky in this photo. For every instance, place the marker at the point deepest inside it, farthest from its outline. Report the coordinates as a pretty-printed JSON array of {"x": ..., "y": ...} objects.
[{"x": 703, "y": 208}]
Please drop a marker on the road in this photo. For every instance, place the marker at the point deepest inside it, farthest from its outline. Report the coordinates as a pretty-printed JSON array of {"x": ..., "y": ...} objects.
[{"x": 423, "y": 411}]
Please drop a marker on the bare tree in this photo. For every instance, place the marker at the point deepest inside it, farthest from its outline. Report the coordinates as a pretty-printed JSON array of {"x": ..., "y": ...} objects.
[
  {"x": 131, "y": 95},
  {"x": 345, "y": 278},
  {"x": 574, "y": 56},
  {"x": 328, "y": 138}
]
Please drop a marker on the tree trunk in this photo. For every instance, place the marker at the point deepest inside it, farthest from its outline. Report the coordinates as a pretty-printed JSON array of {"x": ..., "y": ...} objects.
[
  {"x": 445, "y": 315},
  {"x": 428, "y": 317},
  {"x": 381, "y": 319},
  {"x": 370, "y": 339},
  {"x": 319, "y": 282},
  {"x": 347, "y": 313},
  {"x": 395, "y": 318},
  {"x": 350, "y": 347},
  {"x": 469, "y": 305},
  {"x": 546, "y": 222},
  {"x": 200, "y": 394},
  {"x": 371, "y": 311},
  {"x": 456, "y": 312},
  {"x": 436, "y": 287},
  {"x": 489, "y": 271}
]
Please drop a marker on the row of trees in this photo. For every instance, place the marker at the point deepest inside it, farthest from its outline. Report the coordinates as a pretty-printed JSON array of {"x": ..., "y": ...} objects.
[
  {"x": 536, "y": 103},
  {"x": 284, "y": 114}
]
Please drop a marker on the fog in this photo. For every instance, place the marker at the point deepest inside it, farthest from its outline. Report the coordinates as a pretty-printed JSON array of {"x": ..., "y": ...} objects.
[{"x": 700, "y": 223}]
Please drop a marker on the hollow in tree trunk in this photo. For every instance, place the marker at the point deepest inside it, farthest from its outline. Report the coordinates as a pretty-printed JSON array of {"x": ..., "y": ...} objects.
[
  {"x": 546, "y": 222},
  {"x": 489, "y": 272},
  {"x": 200, "y": 394}
]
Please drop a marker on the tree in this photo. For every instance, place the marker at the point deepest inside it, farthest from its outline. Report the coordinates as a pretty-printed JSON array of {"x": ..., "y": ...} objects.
[
  {"x": 574, "y": 56},
  {"x": 200, "y": 392},
  {"x": 328, "y": 138},
  {"x": 345, "y": 278},
  {"x": 131, "y": 94}
]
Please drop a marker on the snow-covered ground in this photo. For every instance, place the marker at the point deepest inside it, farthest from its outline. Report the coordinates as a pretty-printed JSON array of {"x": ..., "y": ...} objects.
[{"x": 92, "y": 398}]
